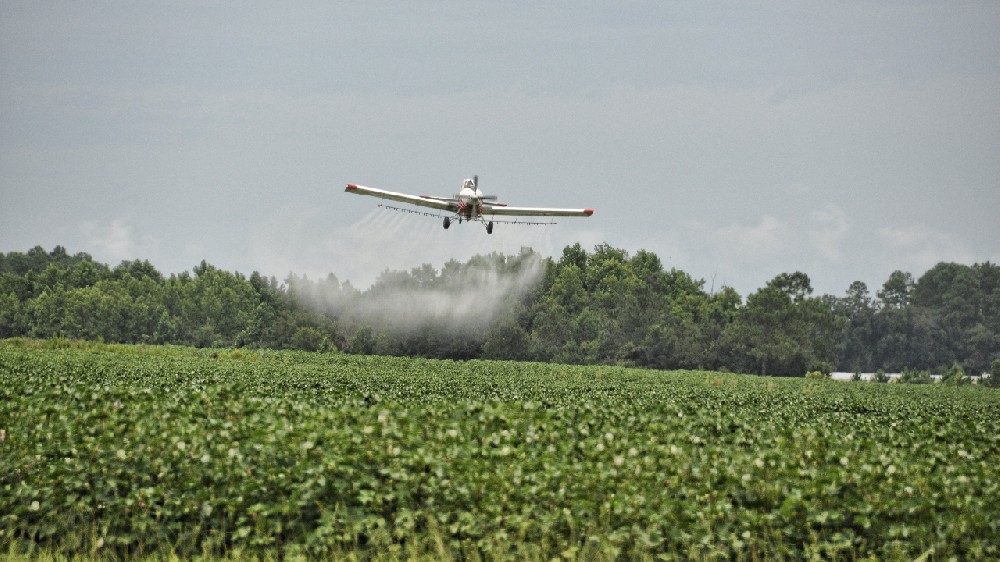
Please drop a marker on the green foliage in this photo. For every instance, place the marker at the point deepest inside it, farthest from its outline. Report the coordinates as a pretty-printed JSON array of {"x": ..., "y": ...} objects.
[
  {"x": 112, "y": 451},
  {"x": 955, "y": 375},
  {"x": 55, "y": 295},
  {"x": 363, "y": 341},
  {"x": 599, "y": 307},
  {"x": 897, "y": 290},
  {"x": 994, "y": 379},
  {"x": 784, "y": 330},
  {"x": 911, "y": 376},
  {"x": 507, "y": 340},
  {"x": 950, "y": 313},
  {"x": 818, "y": 375},
  {"x": 310, "y": 339},
  {"x": 824, "y": 367},
  {"x": 880, "y": 377}
]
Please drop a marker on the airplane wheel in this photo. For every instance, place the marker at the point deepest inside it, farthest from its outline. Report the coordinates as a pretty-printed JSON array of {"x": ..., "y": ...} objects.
[
  {"x": 489, "y": 228},
  {"x": 447, "y": 223}
]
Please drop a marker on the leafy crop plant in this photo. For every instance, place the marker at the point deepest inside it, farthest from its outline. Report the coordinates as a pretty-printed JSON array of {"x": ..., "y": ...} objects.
[{"x": 167, "y": 452}]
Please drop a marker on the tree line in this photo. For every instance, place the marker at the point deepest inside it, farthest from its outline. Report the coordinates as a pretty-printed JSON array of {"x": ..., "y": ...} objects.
[{"x": 587, "y": 307}]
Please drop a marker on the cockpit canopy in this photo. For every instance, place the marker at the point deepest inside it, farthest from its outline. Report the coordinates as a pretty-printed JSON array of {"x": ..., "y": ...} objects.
[{"x": 469, "y": 184}]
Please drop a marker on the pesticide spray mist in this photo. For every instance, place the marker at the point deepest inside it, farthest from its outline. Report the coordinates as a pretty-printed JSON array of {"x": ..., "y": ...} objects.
[{"x": 460, "y": 302}]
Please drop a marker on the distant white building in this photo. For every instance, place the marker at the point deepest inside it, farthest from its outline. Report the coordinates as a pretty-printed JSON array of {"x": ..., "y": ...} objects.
[
  {"x": 894, "y": 377},
  {"x": 864, "y": 376}
]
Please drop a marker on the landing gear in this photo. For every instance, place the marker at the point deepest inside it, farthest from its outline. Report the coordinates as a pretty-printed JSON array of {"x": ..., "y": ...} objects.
[{"x": 447, "y": 223}]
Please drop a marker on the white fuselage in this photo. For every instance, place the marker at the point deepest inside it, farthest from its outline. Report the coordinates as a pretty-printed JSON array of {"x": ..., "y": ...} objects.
[{"x": 469, "y": 204}]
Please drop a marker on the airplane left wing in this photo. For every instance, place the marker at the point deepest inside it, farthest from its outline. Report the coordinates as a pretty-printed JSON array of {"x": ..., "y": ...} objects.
[
  {"x": 506, "y": 210},
  {"x": 439, "y": 203}
]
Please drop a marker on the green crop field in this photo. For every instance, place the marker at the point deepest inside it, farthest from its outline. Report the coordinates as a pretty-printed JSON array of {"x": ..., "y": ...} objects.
[{"x": 162, "y": 452}]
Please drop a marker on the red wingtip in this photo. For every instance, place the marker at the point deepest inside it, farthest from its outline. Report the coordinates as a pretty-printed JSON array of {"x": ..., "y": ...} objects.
[
  {"x": 351, "y": 186},
  {"x": 588, "y": 212}
]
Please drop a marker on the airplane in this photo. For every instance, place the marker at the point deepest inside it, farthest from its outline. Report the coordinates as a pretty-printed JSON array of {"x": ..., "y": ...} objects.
[{"x": 469, "y": 204}]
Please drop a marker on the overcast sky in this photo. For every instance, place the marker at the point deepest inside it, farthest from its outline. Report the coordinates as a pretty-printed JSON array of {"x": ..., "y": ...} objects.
[{"x": 842, "y": 139}]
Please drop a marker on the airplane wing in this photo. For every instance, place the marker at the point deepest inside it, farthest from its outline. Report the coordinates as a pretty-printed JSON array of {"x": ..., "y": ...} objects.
[
  {"x": 439, "y": 203},
  {"x": 506, "y": 210}
]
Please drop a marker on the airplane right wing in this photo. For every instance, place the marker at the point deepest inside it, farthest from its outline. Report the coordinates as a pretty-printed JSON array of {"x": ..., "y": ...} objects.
[
  {"x": 506, "y": 210},
  {"x": 440, "y": 203}
]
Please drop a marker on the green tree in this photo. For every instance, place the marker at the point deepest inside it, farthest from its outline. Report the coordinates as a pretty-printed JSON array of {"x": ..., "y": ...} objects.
[
  {"x": 765, "y": 330},
  {"x": 957, "y": 299},
  {"x": 574, "y": 255},
  {"x": 994, "y": 379},
  {"x": 308, "y": 338},
  {"x": 896, "y": 290},
  {"x": 552, "y": 337},
  {"x": 783, "y": 330},
  {"x": 568, "y": 290},
  {"x": 880, "y": 377},
  {"x": 507, "y": 340},
  {"x": 913, "y": 376},
  {"x": 720, "y": 312},
  {"x": 85, "y": 274},
  {"x": 363, "y": 341},
  {"x": 955, "y": 375},
  {"x": 12, "y": 316},
  {"x": 857, "y": 308}
]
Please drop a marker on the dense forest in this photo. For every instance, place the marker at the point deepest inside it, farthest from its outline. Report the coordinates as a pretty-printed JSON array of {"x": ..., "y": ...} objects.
[{"x": 599, "y": 307}]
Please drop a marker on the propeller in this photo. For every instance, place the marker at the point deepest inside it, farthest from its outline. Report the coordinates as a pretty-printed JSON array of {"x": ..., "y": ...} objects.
[{"x": 475, "y": 182}]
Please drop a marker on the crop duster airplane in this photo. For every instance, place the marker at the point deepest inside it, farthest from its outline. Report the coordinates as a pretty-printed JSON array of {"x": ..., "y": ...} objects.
[{"x": 470, "y": 204}]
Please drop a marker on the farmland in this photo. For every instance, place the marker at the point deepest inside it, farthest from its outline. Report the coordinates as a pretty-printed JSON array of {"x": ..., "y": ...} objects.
[{"x": 113, "y": 450}]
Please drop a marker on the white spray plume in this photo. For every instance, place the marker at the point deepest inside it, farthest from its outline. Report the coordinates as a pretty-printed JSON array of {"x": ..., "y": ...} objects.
[
  {"x": 387, "y": 254},
  {"x": 463, "y": 298}
]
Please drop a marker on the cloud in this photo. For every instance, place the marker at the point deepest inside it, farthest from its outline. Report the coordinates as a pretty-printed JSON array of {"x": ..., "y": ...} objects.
[
  {"x": 116, "y": 241},
  {"x": 746, "y": 254},
  {"x": 827, "y": 230},
  {"x": 767, "y": 239},
  {"x": 742, "y": 255},
  {"x": 917, "y": 248}
]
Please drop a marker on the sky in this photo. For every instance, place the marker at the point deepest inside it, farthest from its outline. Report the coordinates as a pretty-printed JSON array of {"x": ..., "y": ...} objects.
[{"x": 735, "y": 140}]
